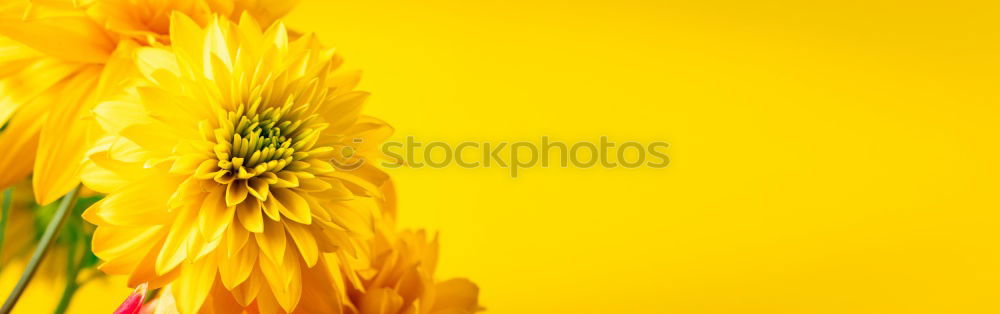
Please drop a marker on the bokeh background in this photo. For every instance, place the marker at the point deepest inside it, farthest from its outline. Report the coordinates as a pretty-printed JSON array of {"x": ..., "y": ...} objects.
[{"x": 827, "y": 156}]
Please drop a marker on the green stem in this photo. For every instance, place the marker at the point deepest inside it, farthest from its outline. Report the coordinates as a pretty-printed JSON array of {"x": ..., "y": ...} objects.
[
  {"x": 8, "y": 196},
  {"x": 67, "y": 296},
  {"x": 71, "y": 273},
  {"x": 42, "y": 249}
]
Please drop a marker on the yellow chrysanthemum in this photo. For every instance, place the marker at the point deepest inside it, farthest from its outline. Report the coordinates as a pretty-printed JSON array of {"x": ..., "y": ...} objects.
[
  {"x": 220, "y": 168},
  {"x": 399, "y": 278},
  {"x": 53, "y": 56}
]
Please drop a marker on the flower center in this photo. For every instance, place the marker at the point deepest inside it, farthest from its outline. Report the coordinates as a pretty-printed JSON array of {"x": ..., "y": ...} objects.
[{"x": 256, "y": 141}]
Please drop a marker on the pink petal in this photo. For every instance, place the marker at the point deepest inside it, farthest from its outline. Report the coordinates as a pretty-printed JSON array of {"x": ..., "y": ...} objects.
[{"x": 133, "y": 303}]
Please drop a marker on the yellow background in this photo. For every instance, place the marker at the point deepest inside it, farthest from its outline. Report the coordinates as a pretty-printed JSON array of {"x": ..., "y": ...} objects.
[{"x": 828, "y": 156}]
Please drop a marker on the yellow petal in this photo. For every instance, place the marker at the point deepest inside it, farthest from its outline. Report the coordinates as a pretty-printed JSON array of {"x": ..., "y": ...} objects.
[
  {"x": 277, "y": 37},
  {"x": 201, "y": 247},
  {"x": 266, "y": 302},
  {"x": 268, "y": 11},
  {"x": 295, "y": 207},
  {"x": 249, "y": 31},
  {"x": 380, "y": 301},
  {"x": 272, "y": 241},
  {"x": 174, "y": 250},
  {"x": 22, "y": 85},
  {"x": 365, "y": 180},
  {"x": 258, "y": 188},
  {"x": 285, "y": 279},
  {"x": 105, "y": 175},
  {"x": 313, "y": 185},
  {"x": 158, "y": 65},
  {"x": 305, "y": 241},
  {"x": 250, "y": 216},
  {"x": 342, "y": 111},
  {"x": 319, "y": 167},
  {"x": 124, "y": 247},
  {"x": 114, "y": 115},
  {"x": 456, "y": 294},
  {"x": 248, "y": 290},
  {"x": 372, "y": 132},
  {"x": 319, "y": 211},
  {"x": 171, "y": 108},
  {"x": 194, "y": 283},
  {"x": 119, "y": 72},
  {"x": 20, "y": 141},
  {"x": 236, "y": 269},
  {"x": 221, "y": 301},
  {"x": 388, "y": 201},
  {"x": 64, "y": 139},
  {"x": 236, "y": 238},
  {"x": 293, "y": 283},
  {"x": 145, "y": 271},
  {"x": 354, "y": 217},
  {"x": 336, "y": 190},
  {"x": 136, "y": 205},
  {"x": 316, "y": 289},
  {"x": 189, "y": 193},
  {"x": 207, "y": 169},
  {"x": 273, "y": 209},
  {"x": 188, "y": 163},
  {"x": 237, "y": 192},
  {"x": 166, "y": 303},
  {"x": 287, "y": 180},
  {"x": 66, "y": 135},
  {"x": 185, "y": 36},
  {"x": 154, "y": 136},
  {"x": 214, "y": 215},
  {"x": 69, "y": 38}
]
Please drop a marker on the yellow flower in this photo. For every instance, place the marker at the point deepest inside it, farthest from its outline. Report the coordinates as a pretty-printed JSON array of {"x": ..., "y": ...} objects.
[
  {"x": 399, "y": 278},
  {"x": 53, "y": 56},
  {"x": 219, "y": 169}
]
